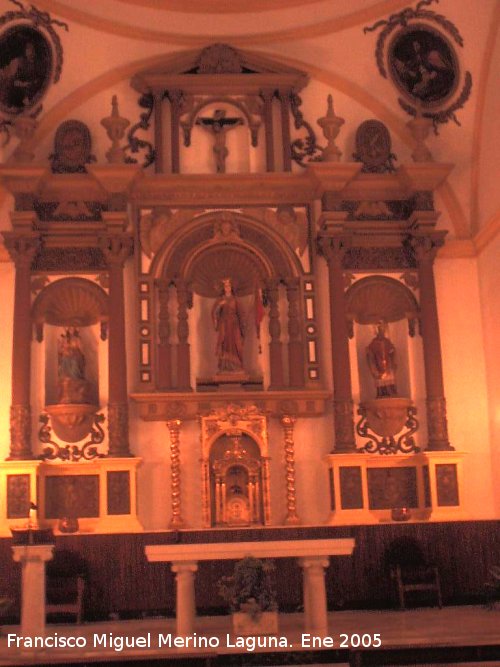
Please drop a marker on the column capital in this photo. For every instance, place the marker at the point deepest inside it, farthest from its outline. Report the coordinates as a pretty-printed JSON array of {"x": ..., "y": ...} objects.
[
  {"x": 116, "y": 249},
  {"x": 184, "y": 567},
  {"x": 285, "y": 93},
  {"x": 33, "y": 552},
  {"x": 333, "y": 247},
  {"x": 267, "y": 94},
  {"x": 163, "y": 284},
  {"x": 314, "y": 561},
  {"x": 22, "y": 247},
  {"x": 158, "y": 94},
  {"x": 288, "y": 420},
  {"x": 184, "y": 298},
  {"x": 425, "y": 246},
  {"x": 176, "y": 97}
]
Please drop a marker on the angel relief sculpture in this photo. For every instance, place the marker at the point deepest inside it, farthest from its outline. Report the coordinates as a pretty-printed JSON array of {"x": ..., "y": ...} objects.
[{"x": 290, "y": 223}]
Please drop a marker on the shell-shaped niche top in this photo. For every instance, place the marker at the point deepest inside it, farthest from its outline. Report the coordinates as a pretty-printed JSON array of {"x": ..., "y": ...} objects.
[
  {"x": 71, "y": 302},
  {"x": 376, "y": 298},
  {"x": 211, "y": 266}
]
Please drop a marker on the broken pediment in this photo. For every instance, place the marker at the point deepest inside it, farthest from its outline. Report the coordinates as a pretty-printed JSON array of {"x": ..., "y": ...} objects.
[{"x": 219, "y": 68}]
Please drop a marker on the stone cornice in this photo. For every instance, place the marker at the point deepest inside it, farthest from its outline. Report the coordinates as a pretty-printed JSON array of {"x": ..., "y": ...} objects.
[
  {"x": 343, "y": 180},
  {"x": 158, "y": 406},
  {"x": 250, "y": 84}
]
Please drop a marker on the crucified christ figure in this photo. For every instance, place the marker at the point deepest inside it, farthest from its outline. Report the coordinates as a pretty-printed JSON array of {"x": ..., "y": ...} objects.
[{"x": 219, "y": 125}]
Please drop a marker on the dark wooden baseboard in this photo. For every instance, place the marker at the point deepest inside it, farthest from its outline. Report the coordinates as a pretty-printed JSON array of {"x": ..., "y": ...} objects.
[{"x": 120, "y": 580}]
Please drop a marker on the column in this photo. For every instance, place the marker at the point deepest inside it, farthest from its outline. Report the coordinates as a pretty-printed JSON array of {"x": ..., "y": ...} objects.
[
  {"x": 164, "y": 370},
  {"x": 425, "y": 251},
  {"x": 266, "y": 500},
  {"x": 158, "y": 96},
  {"x": 315, "y": 607},
  {"x": 288, "y": 423},
  {"x": 184, "y": 301},
  {"x": 267, "y": 96},
  {"x": 285, "y": 129},
  {"x": 176, "y": 100},
  {"x": 33, "y": 559},
  {"x": 275, "y": 347},
  {"x": 333, "y": 249},
  {"x": 174, "y": 428},
  {"x": 295, "y": 344},
  {"x": 185, "y": 604},
  {"x": 116, "y": 249},
  {"x": 22, "y": 249}
]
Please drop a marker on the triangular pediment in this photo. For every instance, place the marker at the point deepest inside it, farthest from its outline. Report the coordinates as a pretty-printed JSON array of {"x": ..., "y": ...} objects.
[{"x": 219, "y": 65}]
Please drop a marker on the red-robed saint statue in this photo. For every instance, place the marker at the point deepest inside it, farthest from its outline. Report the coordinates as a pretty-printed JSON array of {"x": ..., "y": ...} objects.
[{"x": 228, "y": 324}]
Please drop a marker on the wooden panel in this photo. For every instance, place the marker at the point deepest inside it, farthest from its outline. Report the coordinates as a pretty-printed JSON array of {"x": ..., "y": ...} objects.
[
  {"x": 392, "y": 487},
  {"x": 71, "y": 495},
  {"x": 447, "y": 485},
  {"x": 122, "y": 581},
  {"x": 118, "y": 492},
  {"x": 18, "y": 496},
  {"x": 351, "y": 492}
]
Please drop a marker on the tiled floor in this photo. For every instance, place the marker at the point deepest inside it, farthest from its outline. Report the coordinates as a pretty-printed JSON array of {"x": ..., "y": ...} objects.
[{"x": 413, "y": 629}]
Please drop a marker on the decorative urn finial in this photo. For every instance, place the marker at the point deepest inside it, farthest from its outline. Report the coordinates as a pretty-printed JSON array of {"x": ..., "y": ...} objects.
[
  {"x": 115, "y": 125},
  {"x": 330, "y": 124}
]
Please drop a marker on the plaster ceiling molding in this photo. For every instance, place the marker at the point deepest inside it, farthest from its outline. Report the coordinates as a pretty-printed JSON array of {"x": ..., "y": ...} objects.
[
  {"x": 218, "y": 6},
  {"x": 70, "y": 302},
  {"x": 290, "y": 22},
  {"x": 376, "y": 298},
  {"x": 210, "y": 267}
]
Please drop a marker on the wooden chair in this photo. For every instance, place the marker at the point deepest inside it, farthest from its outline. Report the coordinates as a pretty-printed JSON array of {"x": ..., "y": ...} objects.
[
  {"x": 410, "y": 572},
  {"x": 65, "y": 584}
]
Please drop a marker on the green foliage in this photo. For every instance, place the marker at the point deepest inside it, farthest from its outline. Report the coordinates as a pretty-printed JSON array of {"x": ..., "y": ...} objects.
[{"x": 251, "y": 587}]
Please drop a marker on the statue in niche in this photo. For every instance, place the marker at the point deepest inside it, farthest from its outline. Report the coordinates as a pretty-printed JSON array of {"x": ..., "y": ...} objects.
[
  {"x": 228, "y": 323},
  {"x": 381, "y": 357},
  {"x": 72, "y": 385},
  {"x": 219, "y": 126}
]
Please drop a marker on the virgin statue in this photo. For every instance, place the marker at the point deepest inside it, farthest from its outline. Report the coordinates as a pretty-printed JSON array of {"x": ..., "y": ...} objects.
[
  {"x": 71, "y": 360},
  {"x": 381, "y": 357},
  {"x": 72, "y": 385},
  {"x": 228, "y": 324}
]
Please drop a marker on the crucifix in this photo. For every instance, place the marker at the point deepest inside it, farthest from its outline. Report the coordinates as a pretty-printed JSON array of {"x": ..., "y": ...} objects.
[{"x": 219, "y": 125}]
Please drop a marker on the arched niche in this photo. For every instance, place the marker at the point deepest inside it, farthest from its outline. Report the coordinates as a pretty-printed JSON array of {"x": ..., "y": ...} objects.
[
  {"x": 187, "y": 273},
  {"x": 235, "y": 467},
  {"x": 71, "y": 308},
  {"x": 221, "y": 135},
  {"x": 221, "y": 229},
  {"x": 236, "y": 480},
  {"x": 71, "y": 302},
  {"x": 369, "y": 301},
  {"x": 376, "y": 298}
]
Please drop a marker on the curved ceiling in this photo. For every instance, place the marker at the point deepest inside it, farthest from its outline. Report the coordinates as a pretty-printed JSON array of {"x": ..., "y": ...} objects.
[
  {"x": 218, "y": 6},
  {"x": 169, "y": 21}
]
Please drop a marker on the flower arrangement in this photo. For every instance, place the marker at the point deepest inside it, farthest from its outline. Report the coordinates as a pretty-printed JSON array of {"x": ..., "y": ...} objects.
[{"x": 250, "y": 589}]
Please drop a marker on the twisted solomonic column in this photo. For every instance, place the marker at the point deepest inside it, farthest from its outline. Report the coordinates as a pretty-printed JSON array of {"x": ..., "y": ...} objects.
[
  {"x": 288, "y": 423},
  {"x": 174, "y": 428}
]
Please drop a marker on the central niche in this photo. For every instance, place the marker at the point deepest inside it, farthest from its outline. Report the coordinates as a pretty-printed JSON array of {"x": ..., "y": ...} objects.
[
  {"x": 236, "y": 481},
  {"x": 227, "y": 282},
  {"x": 235, "y": 467}
]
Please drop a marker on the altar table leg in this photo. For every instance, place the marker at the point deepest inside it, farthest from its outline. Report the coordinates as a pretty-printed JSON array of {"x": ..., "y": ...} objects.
[
  {"x": 185, "y": 606},
  {"x": 315, "y": 608},
  {"x": 33, "y": 559}
]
